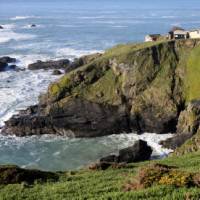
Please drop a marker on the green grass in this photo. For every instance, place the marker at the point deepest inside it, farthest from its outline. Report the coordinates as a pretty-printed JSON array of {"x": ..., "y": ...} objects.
[
  {"x": 106, "y": 87},
  {"x": 86, "y": 184},
  {"x": 123, "y": 53},
  {"x": 192, "y": 75}
]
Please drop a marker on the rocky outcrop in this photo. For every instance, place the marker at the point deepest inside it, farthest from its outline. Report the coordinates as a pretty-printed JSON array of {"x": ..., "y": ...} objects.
[
  {"x": 49, "y": 64},
  {"x": 65, "y": 64},
  {"x": 4, "y": 61},
  {"x": 188, "y": 124},
  {"x": 56, "y": 72},
  {"x": 7, "y": 59},
  {"x": 84, "y": 60},
  {"x": 135, "y": 87},
  {"x": 190, "y": 145},
  {"x": 11, "y": 174},
  {"x": 140, "y": 151}
]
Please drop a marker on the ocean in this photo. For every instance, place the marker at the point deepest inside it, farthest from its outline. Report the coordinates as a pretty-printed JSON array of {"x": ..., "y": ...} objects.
[{"x": 70, "y": 29}]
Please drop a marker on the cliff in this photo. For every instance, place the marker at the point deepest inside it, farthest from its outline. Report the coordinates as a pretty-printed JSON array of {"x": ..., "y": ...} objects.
[{"x": 135, "y": 87}]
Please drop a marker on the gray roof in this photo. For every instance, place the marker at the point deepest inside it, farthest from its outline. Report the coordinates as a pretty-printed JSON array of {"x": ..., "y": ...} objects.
[{"x": 176, "y": 28}]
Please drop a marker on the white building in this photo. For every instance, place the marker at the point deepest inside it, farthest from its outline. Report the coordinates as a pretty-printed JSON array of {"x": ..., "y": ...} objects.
[
  {"x": 152, "y": 37},
  {"x": 178, "y": 33},
  {"x": 194, "y": 34}
]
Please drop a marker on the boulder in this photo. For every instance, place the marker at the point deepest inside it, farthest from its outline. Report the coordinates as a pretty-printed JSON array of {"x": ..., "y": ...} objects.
[
  {"x": 140, "y": 151},
  {"x": 56, "y": 72},
  {"x": 7, "y": 59},
  {"x": 59, "y": 64},
  {"x": 176, "y": 141},
  {"x": 12, "y": 67},
  {"x": 4, "y": 61},
  {"x": 33, "y": 25},
  {"x": 109, "y": 159},
  {"x": 3, "y": 66}
]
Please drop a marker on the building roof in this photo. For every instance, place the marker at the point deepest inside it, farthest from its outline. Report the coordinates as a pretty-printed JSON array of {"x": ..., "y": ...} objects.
[
  {"x": 180, "y": 32},
  {"x": 176, "y": 28}
]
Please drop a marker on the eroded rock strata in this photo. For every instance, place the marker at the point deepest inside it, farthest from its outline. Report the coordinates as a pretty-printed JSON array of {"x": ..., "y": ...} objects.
[{"x": 135, "y": 87}]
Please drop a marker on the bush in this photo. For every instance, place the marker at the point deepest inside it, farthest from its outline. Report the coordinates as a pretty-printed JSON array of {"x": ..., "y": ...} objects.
[{"x": 158, "y": 174}]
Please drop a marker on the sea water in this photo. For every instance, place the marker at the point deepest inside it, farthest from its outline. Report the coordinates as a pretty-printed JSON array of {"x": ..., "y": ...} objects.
[{"x": 69, "y": 29}]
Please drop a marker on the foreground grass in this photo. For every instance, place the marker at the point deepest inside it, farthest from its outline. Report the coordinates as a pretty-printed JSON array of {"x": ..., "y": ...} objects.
[{"x": 85, "y": 184}]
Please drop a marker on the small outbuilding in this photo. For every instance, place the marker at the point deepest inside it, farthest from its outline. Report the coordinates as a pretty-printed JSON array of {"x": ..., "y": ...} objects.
[
  {"x": 178, "y": 33},
  {"x": 194, "y": 34},
  {"x": 152, "y": 37}
]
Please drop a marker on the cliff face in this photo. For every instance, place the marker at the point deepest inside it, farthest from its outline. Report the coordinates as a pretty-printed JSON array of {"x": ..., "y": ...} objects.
[{"x": 135, "y": 87}]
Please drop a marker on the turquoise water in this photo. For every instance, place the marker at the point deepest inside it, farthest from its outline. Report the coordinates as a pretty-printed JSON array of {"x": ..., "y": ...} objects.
[{"x": 69, "y": 29}]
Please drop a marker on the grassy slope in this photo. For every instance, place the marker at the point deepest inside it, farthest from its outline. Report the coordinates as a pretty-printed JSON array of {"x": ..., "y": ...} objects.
[
  {"x": 122, "y": 53},
  {"x": 85, "y": 184},
  {"x": 193, "y": 74}
]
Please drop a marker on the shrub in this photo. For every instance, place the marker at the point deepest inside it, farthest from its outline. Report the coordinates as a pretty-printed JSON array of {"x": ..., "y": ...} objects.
[{"x": 158, "y": 174}]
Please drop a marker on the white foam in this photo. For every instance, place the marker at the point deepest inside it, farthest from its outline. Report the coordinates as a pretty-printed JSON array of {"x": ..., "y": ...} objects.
[
  {"x": 6, "y": 36},
  {"x": 73, "y": 53},
  {"x": 8, "y": 26},
  {"x": 152, "y": 139},
  {"x": 21, "y": 89},
  {"x": 119, "y": 26},
  {"x": 105, "y": 22},
  {"x": 25, "y": 60},
  {"x": 69, "y": 26},
  {"x": 168, "y": 17},
  {"x": 29, "y": 26},
  {"x": 23, "y": 17},
  {"x": 92, "y": 17}
]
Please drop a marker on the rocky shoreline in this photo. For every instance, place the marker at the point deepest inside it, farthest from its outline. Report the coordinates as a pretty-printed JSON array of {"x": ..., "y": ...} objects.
[{"x": 136, "y": 87}]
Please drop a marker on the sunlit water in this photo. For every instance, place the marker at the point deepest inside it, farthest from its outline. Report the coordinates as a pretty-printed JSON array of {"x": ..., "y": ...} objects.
[{"x": 69, "y": 29}]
